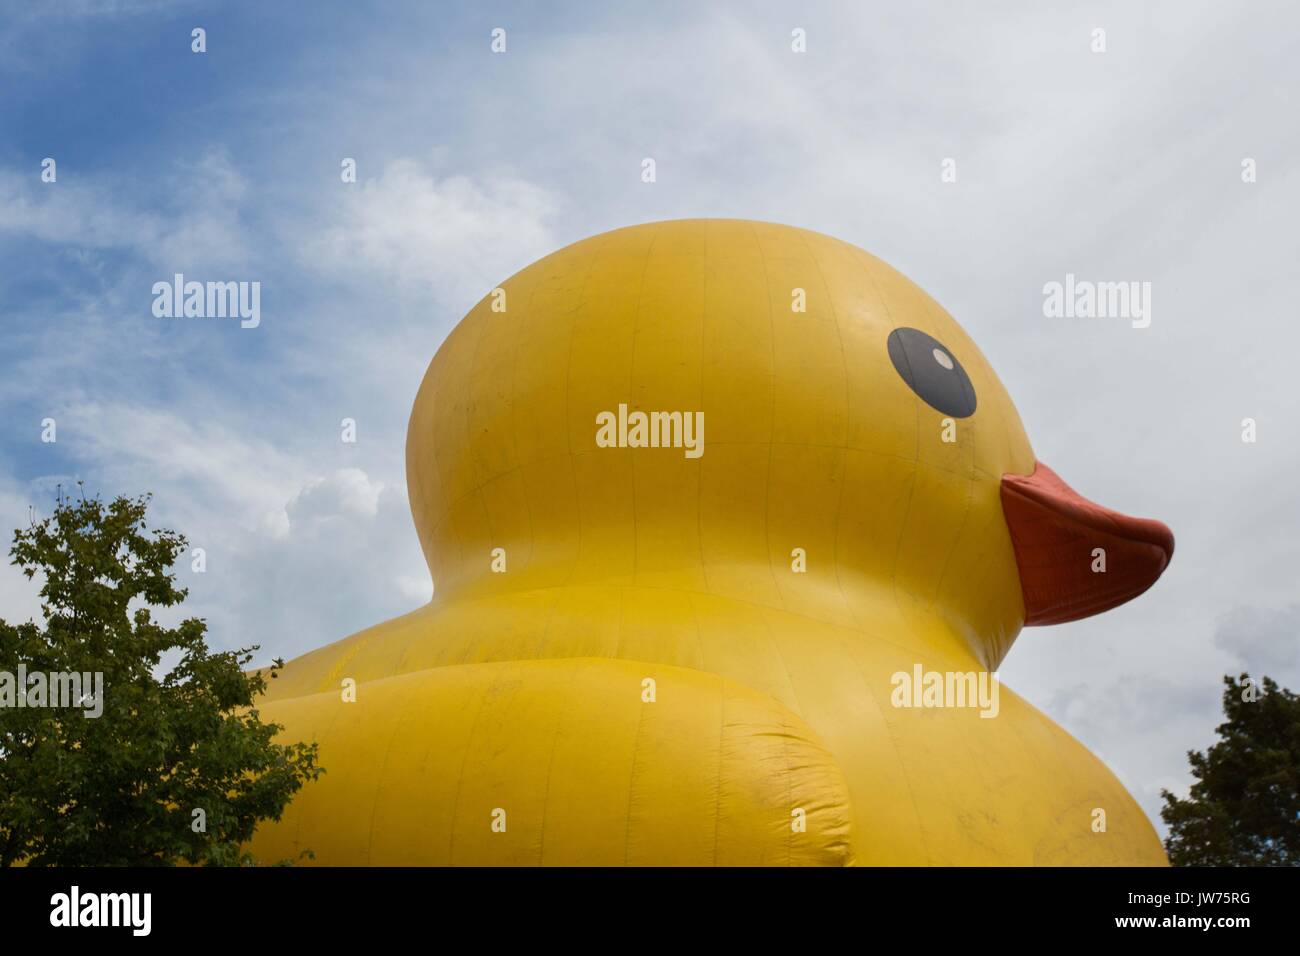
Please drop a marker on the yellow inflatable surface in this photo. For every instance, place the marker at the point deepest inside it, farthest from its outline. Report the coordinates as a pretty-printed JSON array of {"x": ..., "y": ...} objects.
[{"x": 729, "y": 523}]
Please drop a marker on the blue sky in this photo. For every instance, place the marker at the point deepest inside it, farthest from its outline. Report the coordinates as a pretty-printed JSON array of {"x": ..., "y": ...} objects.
[{"x": 1115, "y": 166}]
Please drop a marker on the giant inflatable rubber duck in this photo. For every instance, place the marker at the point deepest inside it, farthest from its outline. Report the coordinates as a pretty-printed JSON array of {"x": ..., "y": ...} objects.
[{"x": 730, "y": 525}]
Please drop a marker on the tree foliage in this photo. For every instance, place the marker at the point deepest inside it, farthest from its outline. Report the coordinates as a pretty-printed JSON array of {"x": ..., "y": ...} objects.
[
  {"x": 179, "y": 731},
  {"x": 1244, "y": 808}
]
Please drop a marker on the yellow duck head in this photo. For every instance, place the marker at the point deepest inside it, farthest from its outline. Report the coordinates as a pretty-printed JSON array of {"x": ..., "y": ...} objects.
[
  {"x": 859, "y": 456},
  {"x": 694, "y": 496}
]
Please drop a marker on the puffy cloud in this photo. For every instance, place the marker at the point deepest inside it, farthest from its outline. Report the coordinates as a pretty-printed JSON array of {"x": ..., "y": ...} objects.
[
  {"x": 347, "y": 557},
  {"x": 201, "y": 469},
  {"x": 305, "y": 539},
  {"x": 200, "y": 226},
  {"x": 347, "y": 491},
  {"x": 344, "y": 555},
  {"x": 453, "y": 238}
]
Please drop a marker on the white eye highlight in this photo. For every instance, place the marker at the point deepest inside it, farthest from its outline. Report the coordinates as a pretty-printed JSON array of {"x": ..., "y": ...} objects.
[{"x": 943, "y": 358}]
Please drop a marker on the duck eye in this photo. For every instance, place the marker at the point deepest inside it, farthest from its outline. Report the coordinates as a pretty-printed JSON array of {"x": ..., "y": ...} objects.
[{"x": 932, "y": 372}]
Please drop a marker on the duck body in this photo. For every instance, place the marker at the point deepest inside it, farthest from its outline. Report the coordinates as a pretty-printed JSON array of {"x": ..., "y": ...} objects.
[{"x": 636, "y": 656}]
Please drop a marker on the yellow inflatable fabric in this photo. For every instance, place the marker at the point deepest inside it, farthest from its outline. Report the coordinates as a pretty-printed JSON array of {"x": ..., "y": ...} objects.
[{"x": 757, "y": 631}]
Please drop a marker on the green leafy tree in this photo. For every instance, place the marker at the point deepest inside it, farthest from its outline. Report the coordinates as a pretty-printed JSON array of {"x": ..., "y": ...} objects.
[
  {"x": 1244, "y": 808},
  {"x": 179, "y": 731}
]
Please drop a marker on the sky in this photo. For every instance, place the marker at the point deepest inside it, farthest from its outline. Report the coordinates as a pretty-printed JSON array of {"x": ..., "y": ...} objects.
[{"x": 1122, "y": 165}]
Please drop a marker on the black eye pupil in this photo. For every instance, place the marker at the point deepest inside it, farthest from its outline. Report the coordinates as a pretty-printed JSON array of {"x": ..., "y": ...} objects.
[{"x": 932, "y": 372}]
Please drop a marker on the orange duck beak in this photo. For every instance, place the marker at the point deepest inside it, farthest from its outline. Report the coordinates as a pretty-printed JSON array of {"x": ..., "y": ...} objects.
[{"x": 1056, "y": 533}]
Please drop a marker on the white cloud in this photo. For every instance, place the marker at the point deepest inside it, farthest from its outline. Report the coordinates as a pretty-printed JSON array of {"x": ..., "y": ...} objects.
[
  {"x": 452, "y": 238},
  {"x": 228, "y": 475},
  {"x": 201, "y": 229},
  {"x": 306, "y": 539},
  {"x": 68, "y": 212},
  {"x": 418, "y": 590},
  {"x": 347, "y": 557},
  {"x": 347, "y": 491},
  {"x": 325, "y": 557}
]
